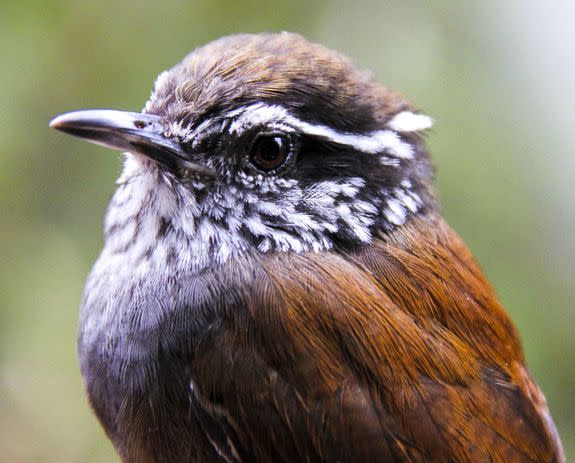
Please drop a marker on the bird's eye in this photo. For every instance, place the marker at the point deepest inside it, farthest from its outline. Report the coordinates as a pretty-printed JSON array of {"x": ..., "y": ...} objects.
[{"x": 269, "y": 151}]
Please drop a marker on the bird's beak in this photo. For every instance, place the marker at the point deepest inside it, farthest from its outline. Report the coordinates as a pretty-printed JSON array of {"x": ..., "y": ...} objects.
[{"x": 133, "y": 132}]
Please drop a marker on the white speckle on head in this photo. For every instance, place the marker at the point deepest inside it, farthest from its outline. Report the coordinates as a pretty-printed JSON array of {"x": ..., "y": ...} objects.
[
  {"x": 178, "y": 130},
  {"x": 367, "y": 208},
  {"x": 406, "y": 200},
  {"x": 395, "y": 212},
  {"x": 410, "y": 203},
  {"x": 387, "y": 161},
  {"x": 407, "y": 121},
  {"x": 265, "y": 245},
  {"x": 349, "y": 190},
  {"x": 255, "y": 225},
  {"x": 269, "y": 208}
]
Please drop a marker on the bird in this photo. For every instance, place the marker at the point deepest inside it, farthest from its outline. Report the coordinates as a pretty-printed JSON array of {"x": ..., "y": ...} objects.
[{"x": 277, "y": 282}]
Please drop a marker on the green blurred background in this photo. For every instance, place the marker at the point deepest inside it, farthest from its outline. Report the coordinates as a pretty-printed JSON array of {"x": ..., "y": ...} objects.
[{"x": 497, "y": 76}]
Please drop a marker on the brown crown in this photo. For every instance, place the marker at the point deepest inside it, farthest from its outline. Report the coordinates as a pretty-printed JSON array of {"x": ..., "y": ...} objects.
[{"x": 309, "y": 79}]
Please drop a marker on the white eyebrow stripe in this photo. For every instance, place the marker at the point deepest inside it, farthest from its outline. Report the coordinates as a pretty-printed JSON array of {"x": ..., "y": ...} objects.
[
  {"x": 373, "y": 142},
  {"x": 406, "y": 121}
]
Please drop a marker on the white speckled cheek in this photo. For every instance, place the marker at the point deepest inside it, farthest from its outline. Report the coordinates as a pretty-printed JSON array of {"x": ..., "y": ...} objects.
[{"x": 247, "y": 212}]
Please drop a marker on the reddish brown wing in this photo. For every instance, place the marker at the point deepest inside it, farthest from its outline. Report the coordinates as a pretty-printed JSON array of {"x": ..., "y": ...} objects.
[{"x": 398, "y": 352}]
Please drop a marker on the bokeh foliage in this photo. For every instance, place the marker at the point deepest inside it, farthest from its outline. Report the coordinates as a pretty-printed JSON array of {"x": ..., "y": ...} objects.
[{"x": 496, "y": 75}]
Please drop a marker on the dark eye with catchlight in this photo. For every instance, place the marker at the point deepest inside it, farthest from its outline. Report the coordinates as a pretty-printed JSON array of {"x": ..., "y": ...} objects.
[{"x": 270, "y": 151}]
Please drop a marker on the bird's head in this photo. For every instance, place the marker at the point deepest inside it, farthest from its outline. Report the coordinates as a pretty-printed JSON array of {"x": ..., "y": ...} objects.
[{"x": 259, "y": 143}]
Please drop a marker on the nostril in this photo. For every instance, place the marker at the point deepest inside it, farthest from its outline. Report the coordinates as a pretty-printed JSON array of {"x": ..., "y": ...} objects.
[{"x": 140, "y": 124}]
